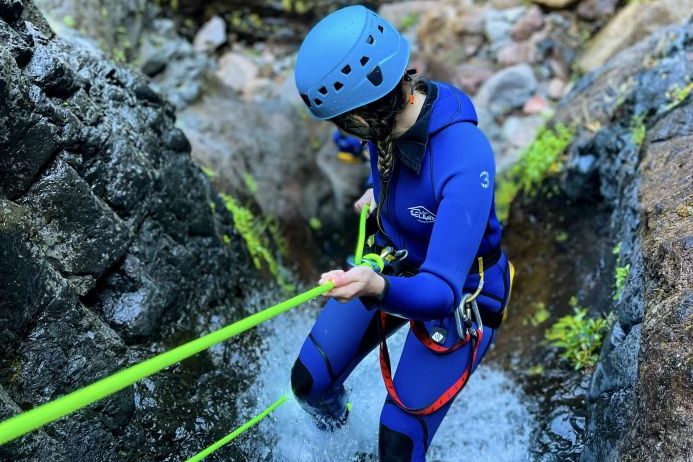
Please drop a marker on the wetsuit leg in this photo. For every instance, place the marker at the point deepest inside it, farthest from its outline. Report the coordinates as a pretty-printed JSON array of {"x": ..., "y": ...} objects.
[
  {"x": 341, "y": 337},
  {"x": 422, "y": 376}
]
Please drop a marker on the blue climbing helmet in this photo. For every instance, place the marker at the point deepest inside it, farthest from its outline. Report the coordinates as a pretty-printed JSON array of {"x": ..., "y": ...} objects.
[{"x": 350, "y": 58}]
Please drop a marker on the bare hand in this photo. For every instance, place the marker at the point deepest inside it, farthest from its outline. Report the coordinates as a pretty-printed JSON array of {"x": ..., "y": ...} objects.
[
  {"x": 367, "y": 198},
  {"x": 357, "y": 282}
]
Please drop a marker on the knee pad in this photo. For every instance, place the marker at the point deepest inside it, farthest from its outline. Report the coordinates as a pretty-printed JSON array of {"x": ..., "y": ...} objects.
[
  {"x": 394, "y": 446},
  {"x": 301, "y": 380}
]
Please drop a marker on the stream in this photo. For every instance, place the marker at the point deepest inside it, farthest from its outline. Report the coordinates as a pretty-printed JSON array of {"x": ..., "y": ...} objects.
[{"x": 489, "y": 422}]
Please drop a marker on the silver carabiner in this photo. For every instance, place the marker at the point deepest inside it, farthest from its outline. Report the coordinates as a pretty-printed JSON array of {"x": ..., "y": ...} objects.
[
  {"x": 477, "y": 316},
  {"x": 459, "y": 313}
]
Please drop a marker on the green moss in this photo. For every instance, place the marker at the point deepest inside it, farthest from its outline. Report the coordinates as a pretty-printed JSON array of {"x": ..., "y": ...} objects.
[
  {"x": 561, "y": 237},
  {"x": 539, "y": 316},
  {"x": 257, "y": 235},
  {"x": 621, "y": 273},
  {"x": 69, "y": 21},
  {"x": 677, "y": 95},
  {"x": 208, "y": 171},
  {"x": 638, "y": 129},
  {"x": 409, "y": 20},
  {"x": 540, "y": 159},
  {"x": 578, "y": 336},
  {"x": 250, "y": 182},
  {"x": 315, "y": 223}
]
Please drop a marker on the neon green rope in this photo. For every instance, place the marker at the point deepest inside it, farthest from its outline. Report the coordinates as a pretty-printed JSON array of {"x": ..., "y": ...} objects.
[
  {"x": 362, "y": 234},
  {"x": 25, "y": 422},
  {"x": 231, "y": 436}
]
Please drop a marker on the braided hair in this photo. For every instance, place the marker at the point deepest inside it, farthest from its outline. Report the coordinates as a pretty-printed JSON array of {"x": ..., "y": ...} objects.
[{"x": 376, "y": 122}]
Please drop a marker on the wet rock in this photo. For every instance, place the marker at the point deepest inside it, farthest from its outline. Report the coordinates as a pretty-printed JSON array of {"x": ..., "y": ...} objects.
[
  {"x": 211, "y": 35},
  {"x": 508, "y": 89},
  {"x": 631, "y": 159},
  {"x": 532, "y": 20},
  {"x": 634, "y": 22},
  {"x": 114, "y": 247},
  {"x": 87, "y": 237}
]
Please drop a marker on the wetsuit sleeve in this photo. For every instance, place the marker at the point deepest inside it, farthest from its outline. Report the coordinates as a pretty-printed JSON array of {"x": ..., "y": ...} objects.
[{"x": 463, "y": 175}]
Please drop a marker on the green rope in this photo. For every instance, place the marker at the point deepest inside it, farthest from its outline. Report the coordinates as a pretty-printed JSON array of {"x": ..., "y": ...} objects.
[
  {"x": 231, "y": 436},
  {"x": 362, "y": 234},
  {"x": 25, "y": 422}
]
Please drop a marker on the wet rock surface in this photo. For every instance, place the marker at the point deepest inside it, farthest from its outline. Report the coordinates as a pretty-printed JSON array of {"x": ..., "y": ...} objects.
[
  {"x": 628, "y": 170},
  {"x": 114, "y": 247}
]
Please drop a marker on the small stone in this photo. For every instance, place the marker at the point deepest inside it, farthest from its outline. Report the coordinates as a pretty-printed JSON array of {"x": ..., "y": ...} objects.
[
  {"x": 556, "y": 88},
  {"x": 211, "y": 35},
  {"x": 535, "y": 105},
  {"x": 470, "y": 75},
  {"x": 684, "y": 211},
  {"x": 531, "y": 21},
  {"x": 236, "y": 70},
  {"x": 514, "y": 53},
  {"x": 497, "y": 23},
  {"x": 507, "y": 89}
]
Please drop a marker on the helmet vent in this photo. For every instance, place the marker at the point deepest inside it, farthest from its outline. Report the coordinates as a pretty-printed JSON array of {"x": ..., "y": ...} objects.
[
  {"x": 338, "y": 86},
  {"x": 317, "y": 101},
  {"x": 346, "y": 69},
  {"x": 375, "y": 76},
  {"x": 323, "y": 90},
  {"x": 305, "y": 99},
  {"x": 381, "y": 28},
  {"x": 370, "y": 40},
  {"x": 364, "y": 60}
]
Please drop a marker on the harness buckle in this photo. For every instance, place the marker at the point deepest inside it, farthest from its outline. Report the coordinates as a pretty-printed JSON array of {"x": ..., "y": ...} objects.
[{"x": 464, "y": 313}]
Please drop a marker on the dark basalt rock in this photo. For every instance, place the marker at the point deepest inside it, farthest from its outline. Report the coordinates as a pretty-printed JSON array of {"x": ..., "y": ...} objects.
[
  {"x": 632, "y": 157},
  {"x": 111, "y": 250}
]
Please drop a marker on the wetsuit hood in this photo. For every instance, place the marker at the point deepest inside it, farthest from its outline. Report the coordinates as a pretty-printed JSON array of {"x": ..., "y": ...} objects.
[{"x": 444, "y": 105}]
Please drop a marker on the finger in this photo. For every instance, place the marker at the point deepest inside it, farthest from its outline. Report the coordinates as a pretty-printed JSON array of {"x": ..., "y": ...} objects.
[{"x": 335, "y": 276}]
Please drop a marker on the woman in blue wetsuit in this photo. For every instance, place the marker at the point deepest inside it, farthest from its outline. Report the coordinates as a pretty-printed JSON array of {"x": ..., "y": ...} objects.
[{"x": 433, "y": 178}]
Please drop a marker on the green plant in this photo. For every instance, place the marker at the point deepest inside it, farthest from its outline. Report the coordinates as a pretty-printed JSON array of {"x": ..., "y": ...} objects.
[
  {"x": 579, "y": 336},
  {"x": 257, "y": 235},
  {"x": 677, "y": 94},
  {"x": 539, "y": 159},
  {"x": 621, "y": 273},
  {"x": 250, "y": 182},
  {"x": 638, "y": 129},
  {"x": 315, "y": 223},
  {"x": 539, "y": 315},
  {"x": 409, "y": 20},
  {"x": 208, "y": 171},
  {"x": 69, "y": 21}
]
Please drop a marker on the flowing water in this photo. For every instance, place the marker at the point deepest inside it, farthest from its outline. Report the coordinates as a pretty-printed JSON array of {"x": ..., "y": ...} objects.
[{"x": 489, "y": 422}]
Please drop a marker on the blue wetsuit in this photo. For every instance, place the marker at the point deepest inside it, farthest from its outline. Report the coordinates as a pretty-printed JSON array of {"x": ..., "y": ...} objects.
[{"x": 440, "y": 208}]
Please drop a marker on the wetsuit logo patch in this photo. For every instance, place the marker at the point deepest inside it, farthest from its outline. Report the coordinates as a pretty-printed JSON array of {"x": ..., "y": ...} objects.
[{"x": 422, "y": 214}]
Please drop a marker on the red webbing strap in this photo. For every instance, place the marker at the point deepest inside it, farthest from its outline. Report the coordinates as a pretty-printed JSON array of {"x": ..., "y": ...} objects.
[
  {"x": 421, "y": 334},
  {"x": 445, "y": 398}
]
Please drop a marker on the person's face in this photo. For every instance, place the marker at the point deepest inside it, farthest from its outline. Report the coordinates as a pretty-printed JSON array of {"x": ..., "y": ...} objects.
[{"x": 353, "y": 124}]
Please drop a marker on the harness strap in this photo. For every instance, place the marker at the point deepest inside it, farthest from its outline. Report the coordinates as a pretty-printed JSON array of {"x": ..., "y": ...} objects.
[{"x": 446, "y": 397}]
